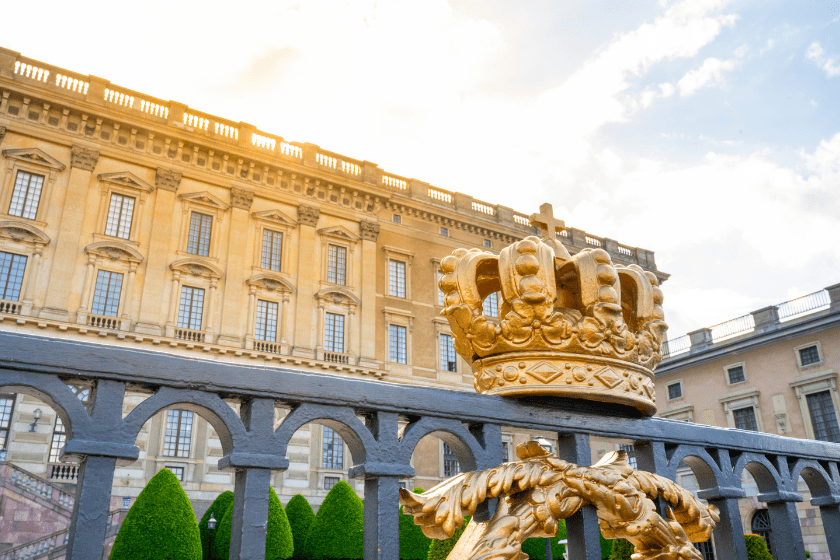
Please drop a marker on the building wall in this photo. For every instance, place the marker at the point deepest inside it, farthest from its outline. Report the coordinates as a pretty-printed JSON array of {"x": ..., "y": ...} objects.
[{"x": 92, "y": 139}]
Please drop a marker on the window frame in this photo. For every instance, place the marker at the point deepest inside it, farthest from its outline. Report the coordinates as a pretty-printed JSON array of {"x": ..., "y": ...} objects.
[
  {"x": 342, "y": 458},
  {"x": 441, "y": 367},
  {"x": 811, "y": 383},
  {"x": 127, "y": 185},
  {"x": 448, "y": 462},
  {"x": 726, "y": 369},
  {"x": 394, "y": 331},
  {"x": 263, "y": 232},
  {"x": 344, "y": 323},
  {"x": 23, "y": 277},
  {"x": 277, "y": 320},
  {"x": 834, "y": 411},
  {"x": 338, "y": 276},
  {"x": 498, "y": 308},
  {"x": 394, "y": 270},
  {"x": 180, "y": 302},
  {"x": 208, "y": 205},
  {"x": 401, "y": 255},
  {"x": 339, "y": 236},
  {"x": 801, "y": 347},
  {"x": 8, "y": 429},
  {"x": 119, "y": 222},
  {"x": 23, "y": 160},
  {"x": 200, "y": 236},
  {"x": 179, "y": 436},
  {"x": 119, "y": 296},
  {"x": 276, "y": 221},
  {"x": 676, "y": 382},
  {"x": 739, "y": 400},
  {"x": 8, "y": 209}
]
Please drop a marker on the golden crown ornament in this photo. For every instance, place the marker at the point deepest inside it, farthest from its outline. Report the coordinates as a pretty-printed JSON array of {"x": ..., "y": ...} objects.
[{"x": 572, "y": 326}]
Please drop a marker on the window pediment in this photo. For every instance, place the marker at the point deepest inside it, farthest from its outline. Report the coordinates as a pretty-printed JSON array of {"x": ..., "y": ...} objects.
[
  {"x": 126, "y": 179},
  {"x": 35, "y": 157},
  {"x": 275, "y": 217},
  {"x": 114, "y": 251},
  {"x": 205, "y": 199},
  {"x": 338, "y": 296},
  {"x": 20, "y": 231},
  {"x": 270, "y": 282},
  {"x": 339, "y": 232},
  {"x": 197, "y": 267}
]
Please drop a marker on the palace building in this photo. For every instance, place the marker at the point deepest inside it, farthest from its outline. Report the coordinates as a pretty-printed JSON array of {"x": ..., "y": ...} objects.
[{"x": 133, "y": 221}]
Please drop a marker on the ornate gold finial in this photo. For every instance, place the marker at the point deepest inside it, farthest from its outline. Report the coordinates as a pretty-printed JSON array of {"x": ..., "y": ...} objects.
[
  {"x": 572, "y": 326},
  {"x": 540, "y": 489}
]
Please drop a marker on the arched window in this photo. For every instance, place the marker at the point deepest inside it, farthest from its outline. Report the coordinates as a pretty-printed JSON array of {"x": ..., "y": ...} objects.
[{"x": 761, "y": 526}]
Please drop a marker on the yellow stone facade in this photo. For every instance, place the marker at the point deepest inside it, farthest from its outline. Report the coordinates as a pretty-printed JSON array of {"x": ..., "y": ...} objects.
[{"x": 160, "y": 227}]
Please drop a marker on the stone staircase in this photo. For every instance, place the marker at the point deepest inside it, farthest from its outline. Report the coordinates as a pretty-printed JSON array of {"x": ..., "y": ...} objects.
[{"x": 30, "y": 507}]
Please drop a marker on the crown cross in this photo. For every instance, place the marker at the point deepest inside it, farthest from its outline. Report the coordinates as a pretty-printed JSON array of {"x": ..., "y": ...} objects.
[{"x": 546, "y": 221}]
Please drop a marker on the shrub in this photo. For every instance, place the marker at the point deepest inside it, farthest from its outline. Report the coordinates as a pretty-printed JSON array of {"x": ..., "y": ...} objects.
[
  {"x": 535, "y": 547},
  {"x": 160, "y": 525},
  {"x": 621, "y": 549},
  {"x": 338, "y": 528},
  {"x": 278, "y": 536},
  {"x": 757, "y": 548},
  {"x": 439, "y": 550},
  {"x": 218, "y": 508},
  {"x": 300, "y": 516},
  {"x": 414, "y": 545}
]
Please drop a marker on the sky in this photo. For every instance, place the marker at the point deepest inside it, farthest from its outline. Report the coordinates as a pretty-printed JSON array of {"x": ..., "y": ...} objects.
[{"x": 707, "y": 131}]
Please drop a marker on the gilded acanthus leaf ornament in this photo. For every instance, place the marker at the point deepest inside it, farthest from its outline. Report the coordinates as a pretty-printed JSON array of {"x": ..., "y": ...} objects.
[{"x": 540, "y": 489}]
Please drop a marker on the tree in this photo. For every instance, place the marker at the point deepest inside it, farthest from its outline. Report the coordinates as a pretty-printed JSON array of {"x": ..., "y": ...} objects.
[
  {"x": 160, "y": 525},
  {"x": 300, "y": 516},
  {"x": 218, "y": 508},
  {"x": 439, "y": 550},
  {"x": 414, "y": 545},
  {"x": 338, "y": 528},
  {"x": 535, "y": 547},
  {"x": 621, "y": 549},
  {"x": 757, "y": 547},
  {"x": 278, "y": 535}
]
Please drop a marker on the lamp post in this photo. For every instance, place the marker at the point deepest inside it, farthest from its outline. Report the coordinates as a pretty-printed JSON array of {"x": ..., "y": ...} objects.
[
  {"x": 211, "y": 526},
  {"x": 36, "y": 414},
  {"x": 3, "y": 453},
  {"x": 546, "y": 444}
]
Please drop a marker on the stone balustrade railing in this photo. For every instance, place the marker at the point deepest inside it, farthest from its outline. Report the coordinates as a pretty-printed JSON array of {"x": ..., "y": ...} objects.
[
  {"x": 44, "y": 489},
  {"x": 35, "y": 550},
  {"x": 101, "y": 92}
]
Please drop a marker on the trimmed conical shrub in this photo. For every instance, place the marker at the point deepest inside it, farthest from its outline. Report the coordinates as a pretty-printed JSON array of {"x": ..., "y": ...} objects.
[
  {"x": 414, "y": 545},
  {"x": 439, "y": 550},
  {"x": 535, "y": 547},
  {"x": 278, "y": 537},
  {"x": 218, "y": 508},
  {"x": 757, "y": 547},
  {"x": 338, "y": 528},
  {"x": 622, "y": 549},
  {"x": 300, "y": 516},
  {"x": 160, "y": 525}
]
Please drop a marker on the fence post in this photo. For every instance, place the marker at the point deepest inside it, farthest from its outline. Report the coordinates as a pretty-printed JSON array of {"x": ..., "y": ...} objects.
[
  {"x": 90, "y": 510},
  {"x": 786, "y": 536},
  {"x": 830, "y": 515},
  {"x": 584, "y": 541}
]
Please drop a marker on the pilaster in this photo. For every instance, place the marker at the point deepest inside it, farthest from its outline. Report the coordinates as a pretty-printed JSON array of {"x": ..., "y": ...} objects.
[
  {"x": 67, "y": 248},
  {"x": 367, "y": 351},
  {"x": 239, "y": 250},
  {"x": 309, "y": 265}
]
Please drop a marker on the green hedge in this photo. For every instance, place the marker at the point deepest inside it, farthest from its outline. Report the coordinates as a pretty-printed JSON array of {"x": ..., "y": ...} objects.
[
  {"x": 756, "y": 548},
  {"x": 621, "y": 549},
  {"x": 414, "y": 545},
  {"x": 160, "y": 525},
  {"x": 300, "y": 516},
  {"x": 535, "y": 548},
  {"x": 278, "y": 538},
  {"x": 218, "y": 508},
  {"x": 439, "y": 550},
  {"x": 338, "y": 529}
]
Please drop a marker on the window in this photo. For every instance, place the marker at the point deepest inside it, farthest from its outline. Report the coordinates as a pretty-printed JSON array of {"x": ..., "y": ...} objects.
[
  {"x": 337, "y": 265},
  {"x": 191, "y": 308},
  {"x": 11, "y": 275},
  {"x": 397, "y": 219},
  {"x": 745, "y": 418},
  {"x": 120, "y": 213},
  {"x": 26, "y": 195},
  {"x": 823, "y": 417},
  {"x": 760, "y": 525},
  {"x": 176, "y": 442},
  {"x": 198, "y": 242},
  {"x": 106, "y": 296},
  {"x": 451, "y": 466},
  {"x": 447, "y": 353},
  {"x": 505, "y": 451},
  {"x": 706, "y": 550},
  {"x": 441, "y": 295},
  {"x": 333, "y": 457},
  {"x": 675, "y": 390},
  {"x": 271, "y": 250},
  {"x": 631, "y": 455},
  {"x": 266, "y": 329},
  {"x": 487, "y": 243},
  {"x": 396, "y": 344},
  {"x": 7, "y": 406},
  {"x": 177, "y": 471},
  {"x": 59, "y": 438},
  {"x": 736, "y": 375},
  {"x": 491, "y": 305},
  {"x": 809, "y": 355},
  {"x": 334, "y": 333},
  {"x": 330, "y": 481},
  {"x": 444, "y": 231},
  {"x": 396, "y": 278}
]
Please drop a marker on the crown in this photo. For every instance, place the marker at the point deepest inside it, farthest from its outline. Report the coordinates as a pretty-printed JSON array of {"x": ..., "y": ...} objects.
[{"x": 572, "y": 326}]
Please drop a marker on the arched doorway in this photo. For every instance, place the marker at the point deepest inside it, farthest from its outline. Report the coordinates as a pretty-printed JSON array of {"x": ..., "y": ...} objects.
[{"x": 760, "y": 525}]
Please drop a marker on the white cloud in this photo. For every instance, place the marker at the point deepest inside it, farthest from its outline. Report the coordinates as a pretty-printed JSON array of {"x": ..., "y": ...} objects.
[
  {"x": 829, "y": 65},
  {"x": 709, "y": 74}
]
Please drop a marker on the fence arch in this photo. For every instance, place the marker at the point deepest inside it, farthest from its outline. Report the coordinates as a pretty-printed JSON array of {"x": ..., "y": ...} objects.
[
  {"x": 818, "y": 480},
  {"x": 343, "y": 420},
  {"x": 466, "y": 448},
  {"x": 703, "y": 465},
  {"x": 54, "y": 393},
  {"x": 762, "y": 470}
]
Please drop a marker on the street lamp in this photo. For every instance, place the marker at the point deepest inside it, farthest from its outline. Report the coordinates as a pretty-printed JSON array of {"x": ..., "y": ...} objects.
[
  {"x": 211, "y": 525},
  {"x": 545, "y": 443},
  {"x": 3, "y": 453},
  {"x": 36, "y": 414}
]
